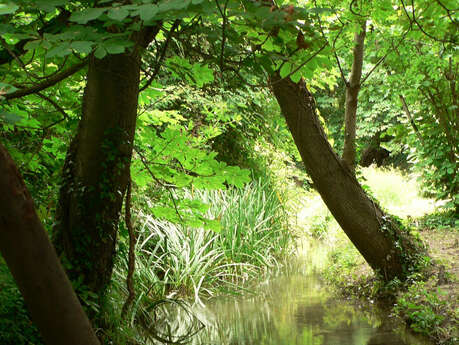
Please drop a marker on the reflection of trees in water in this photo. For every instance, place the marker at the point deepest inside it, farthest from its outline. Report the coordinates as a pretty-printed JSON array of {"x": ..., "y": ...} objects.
[
  {"x": 385, "y": 335},
  {"x": 291, "y": 311},
  {"x": 169, "y": 321},
  {"x": 385, "y": 338}
]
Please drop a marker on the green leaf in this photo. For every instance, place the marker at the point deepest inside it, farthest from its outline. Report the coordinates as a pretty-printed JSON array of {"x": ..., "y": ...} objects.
[
  {"x": 10, "y": 117},
  {"x": 147, "y": 12},
  {"x": 285, "y": 70},
  {"x": 8, "y": 8},
  {"x": 50, "y": 5},
  {"x": 296, "y": 76},
  {"x": 6, "y": 89},
  {"x": 100, "y": 52},
  {"x": 182, "y": 180},
  {"x": 213, "y": 224},
  {"x": 320, "y": 10},
  {"x": 31, "y": 45},
  {"x": 172, "y": 5},
  {"x": 202, "y": 74},
  {"x": 118, "y": 13},
  {"x": 116, "y": 46},
  {"x": 59, "y": 50},
  {"x": 87, "y": 15},
  {"x": 83, "y": 47}
]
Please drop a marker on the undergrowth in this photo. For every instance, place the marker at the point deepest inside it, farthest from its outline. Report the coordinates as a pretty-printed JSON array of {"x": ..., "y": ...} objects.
[{"x": 15, "y": 325}]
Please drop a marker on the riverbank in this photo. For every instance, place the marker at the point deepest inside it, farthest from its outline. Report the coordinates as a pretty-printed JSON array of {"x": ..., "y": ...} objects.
[
  {"x": 428, "y": 301},
  {"x": 295, "y": 307}
]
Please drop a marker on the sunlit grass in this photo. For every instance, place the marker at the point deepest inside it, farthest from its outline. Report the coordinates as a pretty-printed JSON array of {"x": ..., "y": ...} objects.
[{"x": 397, "y": 192}]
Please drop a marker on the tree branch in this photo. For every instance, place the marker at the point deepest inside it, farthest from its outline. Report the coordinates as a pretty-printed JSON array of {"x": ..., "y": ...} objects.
[
  {"x": 51, "y": 81},
  {"x": 408, "y": 114},
  {"x": 385, "y": 55},
  {"x": 162, "y": 56},
  {"x": 131, "y": 258},
  {"x": 225, "y": 21},
  {"x": 57, "y": 107},
  {"x": 415, "y": 21},
  {"x": 145, "y": 164}
]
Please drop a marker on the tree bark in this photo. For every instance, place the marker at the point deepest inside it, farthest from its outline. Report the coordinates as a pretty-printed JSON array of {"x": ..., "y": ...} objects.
[
  {"x": 352, "y": 93},
  {"x": 97, "y": 166},
  {"x": 383, "y": 245},
  {"x": 35, "y": 266}
]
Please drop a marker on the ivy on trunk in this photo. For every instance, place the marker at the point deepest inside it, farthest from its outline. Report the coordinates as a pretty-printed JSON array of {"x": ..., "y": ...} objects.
[{"x": 96, "y": 170}]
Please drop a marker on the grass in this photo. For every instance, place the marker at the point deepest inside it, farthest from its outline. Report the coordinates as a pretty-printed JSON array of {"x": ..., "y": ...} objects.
[{"x": 397, "y": 192}]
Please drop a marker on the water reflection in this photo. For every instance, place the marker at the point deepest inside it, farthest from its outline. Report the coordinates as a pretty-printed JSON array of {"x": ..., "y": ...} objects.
[
  {"x": 298, "y": 310},
  {"x": 291, "y": 310},
  {"x": 294, "y": 309}
]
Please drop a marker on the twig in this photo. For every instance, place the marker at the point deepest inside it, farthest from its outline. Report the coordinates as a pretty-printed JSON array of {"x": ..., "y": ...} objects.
[
  {"x": 343, "y": 77},
  {"x": 145, "y": 164},
  {"x": 448, "y": 11},
  {"x": 159, "y": 61},
  {"x": 47, "y": 83},
  {"x": 301, "y": 65},
  {"x": 131, "y": 258},
  {"x": 57, "y": 107},
  {"x": 225, "y": 21},
  {"x": 385, "y": 55},
  {"x": 408, "y": 114},
  {"x": 351, "y": 5},
  {"x": 414, "y": 20}
]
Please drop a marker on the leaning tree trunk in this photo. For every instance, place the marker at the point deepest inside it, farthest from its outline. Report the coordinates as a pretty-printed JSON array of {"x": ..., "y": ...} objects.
[
  {"x": 352, "y": 93},
  {"x": 97, "y": 167},
  {"x": 35, "y": 266},
  {"x": 383, "y": 245}
]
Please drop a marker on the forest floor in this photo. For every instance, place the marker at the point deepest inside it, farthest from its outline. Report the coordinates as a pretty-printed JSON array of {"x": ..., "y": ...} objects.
[{"x": 443, "y": 246}]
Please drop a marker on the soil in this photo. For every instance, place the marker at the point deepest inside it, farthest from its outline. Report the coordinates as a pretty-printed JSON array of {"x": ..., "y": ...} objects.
[{"x": 443, "y": 246}]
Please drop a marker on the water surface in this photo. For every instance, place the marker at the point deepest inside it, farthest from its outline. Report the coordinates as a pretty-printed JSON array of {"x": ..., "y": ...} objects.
[{"x": 291, "y": 309}]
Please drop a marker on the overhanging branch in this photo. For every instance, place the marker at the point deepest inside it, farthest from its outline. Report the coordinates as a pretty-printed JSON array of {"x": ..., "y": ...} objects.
[{"x": 51, "y": 81}]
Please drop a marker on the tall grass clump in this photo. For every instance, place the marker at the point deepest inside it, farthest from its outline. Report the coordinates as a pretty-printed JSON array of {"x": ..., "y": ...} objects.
[
  {"x": 175, "y": 262},
  {"x": 254, "y": 224}
]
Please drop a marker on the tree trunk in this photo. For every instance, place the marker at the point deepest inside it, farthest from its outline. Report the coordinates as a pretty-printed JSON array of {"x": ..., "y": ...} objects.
[
  {"x": 97, "y": 166},
  {"x": 33, "y": 262},
  {"x": 352, "y": 93},
  {"x": 383, "y": 245}
]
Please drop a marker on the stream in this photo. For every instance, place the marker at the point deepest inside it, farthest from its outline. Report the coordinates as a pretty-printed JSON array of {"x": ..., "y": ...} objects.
[{"x": 294, "y": 308}]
